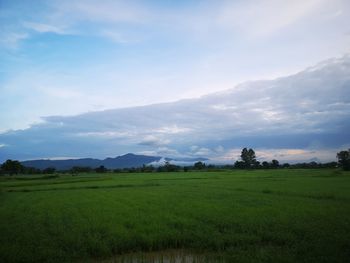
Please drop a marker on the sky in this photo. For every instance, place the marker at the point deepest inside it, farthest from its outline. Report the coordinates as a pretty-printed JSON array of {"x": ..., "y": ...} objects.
[{"x": 63, "y": 60}]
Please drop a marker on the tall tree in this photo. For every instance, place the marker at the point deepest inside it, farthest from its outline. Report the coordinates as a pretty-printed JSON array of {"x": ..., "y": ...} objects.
[
  {"x": 248, "y": 157},
  {"x": 344, "y": 159}
]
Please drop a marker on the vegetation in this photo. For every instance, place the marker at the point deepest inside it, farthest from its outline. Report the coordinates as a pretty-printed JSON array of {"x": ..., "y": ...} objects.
[
  {"x": 248, "y": 161},
  {"x": 248, "y": 158},
  {"x": 276, "y": 215},
  {"x": 101, "y": 169},
  {"x": 11, "y": 167},
  {"x": 199, "y": 166},
  {"x": 344, "y": 159}
]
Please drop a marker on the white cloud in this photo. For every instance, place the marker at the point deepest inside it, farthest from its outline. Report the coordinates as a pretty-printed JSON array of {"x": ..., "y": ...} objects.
[
  {"x": 153, "y": 140},
  {"x": 202, "y": 152},
  {"x": 168, "y": 152},
  {"x": 229, "y": 156},
  {"x": 267, "y": 17},
  {"x": 104, "y": 134},
  {"x": 12, "y": 40},
  {"x": 173, "y": 129},
  {"x": 44, "y": 28},
  {"x": 194, "y": 148},
  {"x": 219, "y": 149},
  {"x": 207, "y": 20}
]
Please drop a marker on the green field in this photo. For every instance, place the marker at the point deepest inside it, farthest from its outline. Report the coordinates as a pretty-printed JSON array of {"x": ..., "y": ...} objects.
[{"x": 229, "y": 216}]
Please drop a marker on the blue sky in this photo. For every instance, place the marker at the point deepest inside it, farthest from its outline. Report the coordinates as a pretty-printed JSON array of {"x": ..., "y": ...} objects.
[{"x": 65, "y": 58}]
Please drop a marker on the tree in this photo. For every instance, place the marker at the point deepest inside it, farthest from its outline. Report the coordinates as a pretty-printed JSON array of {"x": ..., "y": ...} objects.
[
  {"x": 49, "y": 170},
  {"x": 239, "y": 165},
  {"x": 199, "y": 165},
  {"x": 31, "y": 170},
  {"x": 275, "y": 164},
  {"x": 248, "y": 158},
  {"x": 12, "y": 167},
  {"x": 101, "y": 169},
  {"x": 344, "y": 159},
  {"x": 168, "y": 167},
  {"x": 265, "y": 165},
  {"x": 146, "y": 168},
  {"x": 80, "y": 169},
  {"x": 286, "y": 165},
  {"x": 257, "y": 164},
  {"x": 171, "y": 167}
]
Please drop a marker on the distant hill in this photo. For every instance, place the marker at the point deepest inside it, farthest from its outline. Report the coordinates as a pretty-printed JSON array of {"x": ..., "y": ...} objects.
[{"x": 124, "y": 161}]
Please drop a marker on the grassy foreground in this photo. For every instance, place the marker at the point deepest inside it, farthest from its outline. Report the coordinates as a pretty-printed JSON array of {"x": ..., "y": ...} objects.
[{"x": 235, "y": 216}]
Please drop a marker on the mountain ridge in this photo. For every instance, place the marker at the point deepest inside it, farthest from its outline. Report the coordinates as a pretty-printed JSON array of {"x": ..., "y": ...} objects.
[{"x": 122, "y": 161}]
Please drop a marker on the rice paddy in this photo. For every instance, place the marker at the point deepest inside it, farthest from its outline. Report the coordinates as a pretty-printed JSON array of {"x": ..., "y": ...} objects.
[{"x": 281, "y": 215}]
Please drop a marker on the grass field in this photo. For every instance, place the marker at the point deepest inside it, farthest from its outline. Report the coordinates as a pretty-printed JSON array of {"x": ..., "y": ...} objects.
[{"x": 230, "y": 216}]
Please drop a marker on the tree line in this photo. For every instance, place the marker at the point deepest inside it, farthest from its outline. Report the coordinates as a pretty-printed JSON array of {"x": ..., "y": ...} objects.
[{"x": 248, "y": 160}]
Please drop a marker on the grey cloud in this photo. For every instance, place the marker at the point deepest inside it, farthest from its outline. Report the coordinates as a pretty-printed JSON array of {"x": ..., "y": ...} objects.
[
  {"x": 308, "y": 109},
  {"x": 152, "y": 140}
]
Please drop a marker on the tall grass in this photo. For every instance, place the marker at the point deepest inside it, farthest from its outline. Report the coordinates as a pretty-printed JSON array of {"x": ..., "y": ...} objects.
[{"x": 238, "y": 216}]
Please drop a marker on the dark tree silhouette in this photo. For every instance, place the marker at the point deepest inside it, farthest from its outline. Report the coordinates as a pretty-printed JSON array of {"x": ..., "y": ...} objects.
[
  {"x": 168, "y": 167},
  {"x": 275, "y": 164},
  {"x": 248, "y": 158},
  {"x": 239, "y": 165},
  {"x": 344, "y": 159},
  {"x": 101, "y": 169},
  {"x": 265, "y": 165},
  {"x": 199, "y": 165},
  {"x": 12, "y": 167},
  {"x": 49, "y": 170},
  {"x": 80, "y": 169}
]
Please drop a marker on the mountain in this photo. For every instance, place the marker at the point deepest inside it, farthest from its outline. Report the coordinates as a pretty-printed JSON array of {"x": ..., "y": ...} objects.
[{"x": 124, "y": 161}]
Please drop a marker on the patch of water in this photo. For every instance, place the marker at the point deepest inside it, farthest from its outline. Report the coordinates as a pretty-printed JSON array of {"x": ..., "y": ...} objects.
[{"x": 166, "y": 256}]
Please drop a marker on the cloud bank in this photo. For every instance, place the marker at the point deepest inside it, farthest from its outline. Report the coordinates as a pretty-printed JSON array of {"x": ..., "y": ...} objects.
[{"x": 299, "y": 117}]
